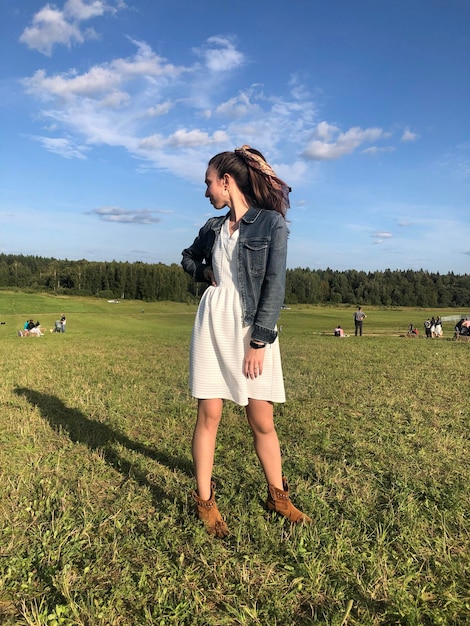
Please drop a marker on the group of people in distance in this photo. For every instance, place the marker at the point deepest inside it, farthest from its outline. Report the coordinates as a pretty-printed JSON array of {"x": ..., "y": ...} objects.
[
  {"x": 34, "y": 329},
  {"x": 31, "y": 329},
  {"x": 433, "y": 327},
  {"x": 358, "y": 316}
]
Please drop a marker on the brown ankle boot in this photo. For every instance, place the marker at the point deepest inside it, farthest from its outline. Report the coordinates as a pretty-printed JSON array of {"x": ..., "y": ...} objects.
[
  {"x": 279, "y": 501},
  {"x": 208, "y": 512}
]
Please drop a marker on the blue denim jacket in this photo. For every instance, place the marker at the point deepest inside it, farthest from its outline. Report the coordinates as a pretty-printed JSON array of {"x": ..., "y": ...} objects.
[{"x": 261, "y": 260}]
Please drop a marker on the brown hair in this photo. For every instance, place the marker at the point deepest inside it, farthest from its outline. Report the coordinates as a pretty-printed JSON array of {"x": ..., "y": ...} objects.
[{"x": 255, "y": 178}]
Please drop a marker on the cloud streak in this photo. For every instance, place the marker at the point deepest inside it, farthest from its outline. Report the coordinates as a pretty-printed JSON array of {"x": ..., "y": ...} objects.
[
  {"x": 62, "y": 146},
  {"x": 128, "y": 216},
  {"x": 381, "y": 236}
]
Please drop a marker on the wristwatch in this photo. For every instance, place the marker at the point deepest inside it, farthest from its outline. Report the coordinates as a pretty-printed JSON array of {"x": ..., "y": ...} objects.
[{"x": 257, "y": 346}]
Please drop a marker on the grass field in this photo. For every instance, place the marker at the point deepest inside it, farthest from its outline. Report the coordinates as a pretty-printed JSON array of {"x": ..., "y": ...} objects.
[{"x": 96, "y": 525}]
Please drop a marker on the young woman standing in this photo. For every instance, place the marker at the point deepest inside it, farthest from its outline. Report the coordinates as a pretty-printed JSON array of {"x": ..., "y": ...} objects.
[{"x": 234, "y": 348}]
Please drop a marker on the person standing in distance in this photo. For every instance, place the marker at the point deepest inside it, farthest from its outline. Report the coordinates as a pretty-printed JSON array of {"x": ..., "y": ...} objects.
[
  {"x": 234, "y": 352},
  {"x": 359, "y": 316}
]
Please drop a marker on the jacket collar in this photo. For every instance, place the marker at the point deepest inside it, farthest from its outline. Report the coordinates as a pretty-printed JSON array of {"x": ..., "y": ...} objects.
[{"x": 251, "y": 215}]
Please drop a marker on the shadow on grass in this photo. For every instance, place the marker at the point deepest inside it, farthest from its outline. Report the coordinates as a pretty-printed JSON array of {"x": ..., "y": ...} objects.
[{"x": 99, "y": 436}]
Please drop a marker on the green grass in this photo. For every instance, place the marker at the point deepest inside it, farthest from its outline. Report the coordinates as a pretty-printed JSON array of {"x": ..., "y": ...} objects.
[{"x": 96, "y": 525}]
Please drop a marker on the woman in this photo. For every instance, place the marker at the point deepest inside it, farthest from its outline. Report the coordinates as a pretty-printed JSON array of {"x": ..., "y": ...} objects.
[{"x": 234, "y": 349}]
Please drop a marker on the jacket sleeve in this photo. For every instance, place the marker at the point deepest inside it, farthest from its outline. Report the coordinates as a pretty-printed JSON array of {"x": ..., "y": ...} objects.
[
  {"x": 194, "y": 261},
  {"x": 274, "y": 285}
]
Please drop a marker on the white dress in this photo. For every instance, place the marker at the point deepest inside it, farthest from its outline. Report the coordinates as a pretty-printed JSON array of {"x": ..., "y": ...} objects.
[{"x": 219, "y": 340}]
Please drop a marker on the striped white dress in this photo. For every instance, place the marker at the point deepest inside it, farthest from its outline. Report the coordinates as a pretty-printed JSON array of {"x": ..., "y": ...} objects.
[{"x": 219, "y": 339}]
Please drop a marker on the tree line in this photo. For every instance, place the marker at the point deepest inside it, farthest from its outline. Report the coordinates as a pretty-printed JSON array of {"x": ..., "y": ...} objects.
[{"x": 157, "y": 282}]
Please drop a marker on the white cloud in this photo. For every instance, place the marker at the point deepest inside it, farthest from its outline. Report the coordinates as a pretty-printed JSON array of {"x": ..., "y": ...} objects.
[
  {"x": 408, "y": 135},
  {"x": 159, "y": 109},
  {"x": 220, "y": 54},
  {"x": 293, "y": 173},
  {"x": 80, "y": 10},
  {"x": 325, "y": 131},
  {"x": 101, "y": 79},
  {"x": 120, "y": 103},
  {"x": 51, "y": 26},
  {"x": 195, "y": 138},
  {"x": 152, "y": 142},
  {"x": 237, "y": 107},
  {"x": 277, "y": 124},
  {"x": 116, "y": 100},
  {"x": 329, "y": 143},
  {"x": 98, "y": 80}
]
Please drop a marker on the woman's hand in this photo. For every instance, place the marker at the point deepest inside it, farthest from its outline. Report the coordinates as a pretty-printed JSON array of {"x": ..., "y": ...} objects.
[
  {"x": 253, "y": 365},
  {"x": 208, "y": 274}
]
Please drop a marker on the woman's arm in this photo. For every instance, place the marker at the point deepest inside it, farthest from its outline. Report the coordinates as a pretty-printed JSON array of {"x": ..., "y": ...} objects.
[
  {"x": 274, "y": 285},
  {"x": 194, "y": 260}
]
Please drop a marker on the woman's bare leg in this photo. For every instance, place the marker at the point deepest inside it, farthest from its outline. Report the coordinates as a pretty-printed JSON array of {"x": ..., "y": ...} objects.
[
  {"x": 209, "y": 413},
  {"x": 260, "y": 416}
]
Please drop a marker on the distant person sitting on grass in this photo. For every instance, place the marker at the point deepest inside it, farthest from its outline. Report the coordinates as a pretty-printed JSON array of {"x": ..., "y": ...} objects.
[
  {"x": 339, "y": 332},
  {"x": 36, "y": 330},
  {"x": 463, "y": 327},
  {"x": 33, "y": 331},
  {"x": 28, "y": 325}
]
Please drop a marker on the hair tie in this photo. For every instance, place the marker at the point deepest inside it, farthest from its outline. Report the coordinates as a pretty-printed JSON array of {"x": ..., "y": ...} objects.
[{"x": 258, "y": 163}]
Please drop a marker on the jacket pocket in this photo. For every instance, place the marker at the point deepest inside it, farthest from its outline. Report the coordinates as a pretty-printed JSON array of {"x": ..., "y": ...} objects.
[{"x": 256, "y": 249}]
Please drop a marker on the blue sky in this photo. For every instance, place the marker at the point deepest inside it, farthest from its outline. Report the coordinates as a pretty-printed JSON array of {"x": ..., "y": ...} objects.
[{"x": 110, "y": 111}]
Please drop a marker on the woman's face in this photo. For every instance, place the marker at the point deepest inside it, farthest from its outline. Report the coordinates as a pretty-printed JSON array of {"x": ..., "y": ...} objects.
[{"x": 215, "y": 190}]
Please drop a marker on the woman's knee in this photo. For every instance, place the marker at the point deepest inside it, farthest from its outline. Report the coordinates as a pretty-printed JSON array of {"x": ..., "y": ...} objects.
[
  {"x": 209, "y": 413},
  {"x": 260, "y": 417}
]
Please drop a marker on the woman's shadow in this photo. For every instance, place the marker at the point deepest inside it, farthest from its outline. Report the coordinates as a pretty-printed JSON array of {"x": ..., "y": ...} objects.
[{"x": 99, "y": 436}]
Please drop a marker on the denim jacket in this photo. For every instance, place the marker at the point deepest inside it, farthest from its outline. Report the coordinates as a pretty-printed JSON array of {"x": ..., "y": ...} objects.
[{"x": 261, "y": 261}]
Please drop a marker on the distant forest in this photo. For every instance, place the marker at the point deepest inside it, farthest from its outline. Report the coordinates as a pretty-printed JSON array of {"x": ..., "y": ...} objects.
[{"x": 153, "y": 282}]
